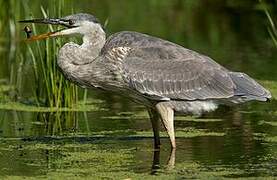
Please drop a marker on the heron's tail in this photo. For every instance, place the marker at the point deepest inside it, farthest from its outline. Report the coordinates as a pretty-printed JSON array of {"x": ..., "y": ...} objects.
[{"x": 248, "y": 89}]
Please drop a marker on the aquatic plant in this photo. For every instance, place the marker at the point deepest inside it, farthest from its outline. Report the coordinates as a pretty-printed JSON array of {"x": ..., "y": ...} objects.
[
  {"x": 272, "y": 29},
  {"x": 50, "y": 88},
  {"x": 9, "y": 31}
]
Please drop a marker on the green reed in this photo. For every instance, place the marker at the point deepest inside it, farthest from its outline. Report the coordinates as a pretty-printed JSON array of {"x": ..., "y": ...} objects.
[
  {"x": 50, "y": 88},
  {"x": 32, "y": 67},
  {"x": 10, "y": 10},
  {"x": 57, "y": 90},
  {"x": 272, "y": 29}
]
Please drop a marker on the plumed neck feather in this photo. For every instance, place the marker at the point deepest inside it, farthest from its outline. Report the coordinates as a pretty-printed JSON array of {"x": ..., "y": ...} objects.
[
  {"x": 94, "y": 39},
  {"x": 79, "y": 62}
]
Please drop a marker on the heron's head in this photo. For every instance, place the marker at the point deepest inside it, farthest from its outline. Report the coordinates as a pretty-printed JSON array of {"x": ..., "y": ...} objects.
[{"x": 80, "y": 23}]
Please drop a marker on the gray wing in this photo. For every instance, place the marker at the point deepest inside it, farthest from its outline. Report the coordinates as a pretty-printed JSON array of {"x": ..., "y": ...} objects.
[{"x": 162, "y": 70}]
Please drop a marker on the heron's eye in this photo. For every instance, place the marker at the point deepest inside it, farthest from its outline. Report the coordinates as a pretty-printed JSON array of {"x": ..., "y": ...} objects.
[{"x": 70, "y": 22}]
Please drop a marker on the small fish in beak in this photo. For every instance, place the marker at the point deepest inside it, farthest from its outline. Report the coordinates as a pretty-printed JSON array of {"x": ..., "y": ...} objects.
[
  {"x": 28, "y": 31},
  {"x": 40, "y": 36}
]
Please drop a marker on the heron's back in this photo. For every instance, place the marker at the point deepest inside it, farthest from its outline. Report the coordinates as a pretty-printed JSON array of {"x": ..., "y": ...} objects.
[{"x": 159, "y": 70}]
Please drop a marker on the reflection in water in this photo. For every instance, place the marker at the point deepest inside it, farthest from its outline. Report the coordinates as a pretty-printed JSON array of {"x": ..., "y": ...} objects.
[
  {"x": 156, "y": 161},
  {"x": 59, "y": 122}
]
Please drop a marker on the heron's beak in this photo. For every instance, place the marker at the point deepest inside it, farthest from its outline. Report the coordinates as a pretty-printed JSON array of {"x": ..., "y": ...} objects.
[{"x": 62, "y": 32}]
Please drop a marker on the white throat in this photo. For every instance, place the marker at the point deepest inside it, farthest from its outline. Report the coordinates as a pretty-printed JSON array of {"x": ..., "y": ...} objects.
[
  {"x": 94, "y": 39},
  {"x": 93, "y": 36}
]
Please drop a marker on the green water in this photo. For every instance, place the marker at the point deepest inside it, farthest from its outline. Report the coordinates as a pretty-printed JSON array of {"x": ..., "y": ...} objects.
[{"x": 110, "y": 137}]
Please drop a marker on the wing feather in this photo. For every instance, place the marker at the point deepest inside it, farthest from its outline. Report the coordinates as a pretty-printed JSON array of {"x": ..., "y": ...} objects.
[
  {"x": 158, "y": 68},
  {"x": 190, "y": 80}
]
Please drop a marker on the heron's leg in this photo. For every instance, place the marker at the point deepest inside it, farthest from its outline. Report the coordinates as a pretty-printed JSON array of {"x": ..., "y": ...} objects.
[
  {"x": 167, "y": 117},
  {"x": 154, "y": 116},
  {"x": 171, "y": 159}
]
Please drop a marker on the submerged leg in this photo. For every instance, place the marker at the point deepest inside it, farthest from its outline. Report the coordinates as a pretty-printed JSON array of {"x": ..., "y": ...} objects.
[
  {"x": 154, "y": 116},
  {"x": 167, "y": 118}
]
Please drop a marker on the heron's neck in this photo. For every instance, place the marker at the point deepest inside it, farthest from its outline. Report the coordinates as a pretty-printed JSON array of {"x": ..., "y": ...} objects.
[
  {"x": 93, "y": 42},
  {"x": 88, "y": 51},
  {"x": 80, "y": 62}
]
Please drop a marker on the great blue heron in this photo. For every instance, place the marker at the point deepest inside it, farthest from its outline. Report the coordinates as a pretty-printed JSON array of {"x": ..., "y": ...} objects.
[{"x": 163, "y": 76}]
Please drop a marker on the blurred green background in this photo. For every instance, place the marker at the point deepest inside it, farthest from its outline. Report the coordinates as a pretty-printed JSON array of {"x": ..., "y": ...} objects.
[{"x": 234, "y": 33}]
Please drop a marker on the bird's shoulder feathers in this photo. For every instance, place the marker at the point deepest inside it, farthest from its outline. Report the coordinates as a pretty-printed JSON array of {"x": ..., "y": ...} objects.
[{"x": 159, "y": 68}]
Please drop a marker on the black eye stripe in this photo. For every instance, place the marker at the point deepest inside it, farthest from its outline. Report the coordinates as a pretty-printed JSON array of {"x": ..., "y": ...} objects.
[
  {"x": 67, "y": 20},
  {"x": 71, "y": 22}
]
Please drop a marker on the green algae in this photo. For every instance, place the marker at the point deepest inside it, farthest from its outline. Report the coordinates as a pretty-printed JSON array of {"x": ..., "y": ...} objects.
[
  {"x": 142, "y": 115},
  {"x": 73, "y": 160},
  {"x": 195, "y": 170},
  {"x": 17, "y": 106},
  {"x": 270, "y": 139},
  {"x": 95, "y": 161},
  {"x": 271, "y": 123},
  {"x": 265, "y": 138},
  {"x": 122, "y": 117},
  {"x": 196, "y": 119},
  {"x": 6, "y": 88},
  {"x": 4, "y": 91},
  {"x": 128, "y": 115},
  {"x": 84, "y": 161},
  {"x": 189, "y": 132},
  {"x": 271, "y": 86}
]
